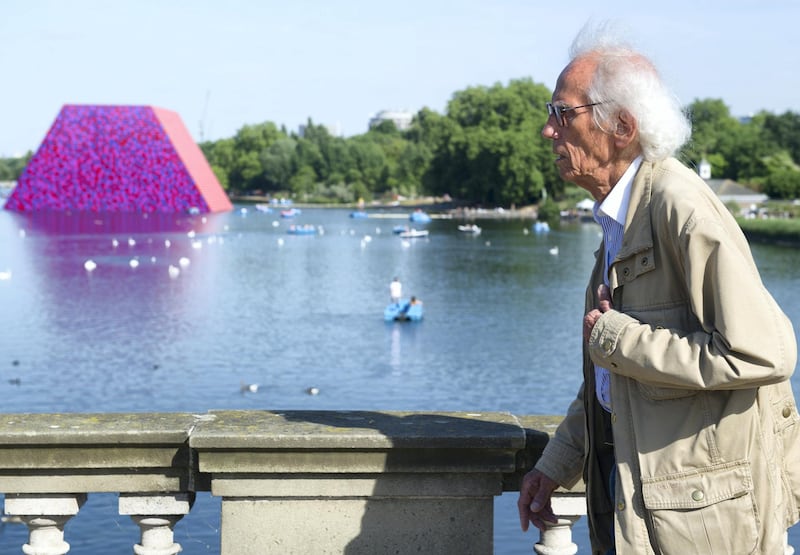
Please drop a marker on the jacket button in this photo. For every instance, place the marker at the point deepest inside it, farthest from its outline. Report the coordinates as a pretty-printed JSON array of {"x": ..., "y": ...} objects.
[
  {"x": 644, "y": 261},
  {"x": 613, "y": 417},
  {"x": 626, "y": 272},
  {"x": 697, "y": 495},
  {"x": 621, "y": 506},
  {"x": 787, "y": 412},
  {"x": 607, "y": 345}
]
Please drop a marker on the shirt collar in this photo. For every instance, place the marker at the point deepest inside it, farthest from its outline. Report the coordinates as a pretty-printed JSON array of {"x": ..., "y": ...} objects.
[{"x": 615, "y": 205}]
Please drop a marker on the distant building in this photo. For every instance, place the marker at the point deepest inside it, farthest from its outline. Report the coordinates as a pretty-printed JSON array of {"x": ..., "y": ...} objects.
[
  {"x": 728, "y": 190},
  {"x": 401, "y": 119}
]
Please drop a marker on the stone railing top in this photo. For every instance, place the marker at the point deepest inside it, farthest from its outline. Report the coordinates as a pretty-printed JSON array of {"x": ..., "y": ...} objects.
[
  {"x": 94, "y": 428},
  {"x": 74, "y": 452},
  {"x": 357, "y": 430}
]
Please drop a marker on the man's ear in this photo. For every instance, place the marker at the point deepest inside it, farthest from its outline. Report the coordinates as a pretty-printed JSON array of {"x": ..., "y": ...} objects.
[{"x": 626, "y": 129}]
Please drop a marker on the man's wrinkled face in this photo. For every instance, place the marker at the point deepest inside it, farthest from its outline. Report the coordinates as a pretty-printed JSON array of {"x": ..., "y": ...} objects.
[{"x": 583, "y": 151}]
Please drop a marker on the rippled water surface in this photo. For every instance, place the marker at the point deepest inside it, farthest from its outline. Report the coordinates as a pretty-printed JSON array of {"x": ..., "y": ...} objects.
[{"x": 251, "y": 304}]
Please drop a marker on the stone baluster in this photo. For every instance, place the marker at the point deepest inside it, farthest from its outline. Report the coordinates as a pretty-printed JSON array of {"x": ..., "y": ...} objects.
[
  {"x": 156, "y": 515},
  {"x": 45, "y": 515},
  {"x": 557, "y": 538}
]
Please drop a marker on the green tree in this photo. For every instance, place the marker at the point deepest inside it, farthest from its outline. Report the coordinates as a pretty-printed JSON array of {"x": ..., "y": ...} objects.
[
  {"x": 302, "y": 182},
  {"x": 783, "y": 183},
  {"x": 491, "y": 150},
  {"x": 368, "y": 161},
  {"x": 783, "y": 132},
  {"x": 277, "y": 163},
  {"x": 713, "y": 129},
  {"x": 12, "y": 168},
  {"x": 249, "y": 145}
]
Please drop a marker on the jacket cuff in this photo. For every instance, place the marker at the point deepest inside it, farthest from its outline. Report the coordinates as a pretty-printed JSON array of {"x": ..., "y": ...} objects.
[
  {"x": 605, "y": 337},
  {"x": 561, "y": 463}
]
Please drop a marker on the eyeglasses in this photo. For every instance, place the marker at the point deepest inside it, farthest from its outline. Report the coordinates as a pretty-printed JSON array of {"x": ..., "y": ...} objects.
[{"x": 559, "y": 111}]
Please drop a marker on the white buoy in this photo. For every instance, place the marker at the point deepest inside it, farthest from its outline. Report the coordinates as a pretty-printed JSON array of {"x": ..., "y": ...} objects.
[
  {"x": 280, "y": 241},
  {"x": 554, "y": 251},
  {"x": 5, "y": 275},
  {"x": 134, "y": 263},
  {"x": 114, "y": 243},
  {"x": 312, "y": 391},
  {"x": 184, "y": 262},
  {"x": 90, "y": 265},
  {"x": 174, "y": 271},
  {"x": 167, "y": 243},
  {"x": 131, "y": 242},
  {"x": 191, "y": 234}
]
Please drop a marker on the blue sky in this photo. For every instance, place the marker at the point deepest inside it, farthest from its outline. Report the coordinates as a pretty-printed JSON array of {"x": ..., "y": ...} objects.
[{"x": 225, "y": 64}]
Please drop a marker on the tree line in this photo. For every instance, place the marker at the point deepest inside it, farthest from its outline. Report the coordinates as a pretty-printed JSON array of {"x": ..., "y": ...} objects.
[{"x": 486, "y": 149}]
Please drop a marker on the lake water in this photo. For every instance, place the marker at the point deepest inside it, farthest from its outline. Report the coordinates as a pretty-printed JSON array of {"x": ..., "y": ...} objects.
[{"x": 253, "y": 304}]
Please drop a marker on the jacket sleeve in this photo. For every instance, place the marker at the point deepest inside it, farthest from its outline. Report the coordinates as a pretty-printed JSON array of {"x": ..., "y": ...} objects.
[
  {"x": 562, "y": 458},
  {"x": 742, "y": 339}
]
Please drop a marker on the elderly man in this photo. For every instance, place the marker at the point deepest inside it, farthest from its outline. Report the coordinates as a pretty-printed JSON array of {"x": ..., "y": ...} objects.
[{"x": 685, "y": 429}]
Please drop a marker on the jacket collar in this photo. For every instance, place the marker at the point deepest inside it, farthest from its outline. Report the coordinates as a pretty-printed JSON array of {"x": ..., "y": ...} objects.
[{"x": 636, "y": 252}]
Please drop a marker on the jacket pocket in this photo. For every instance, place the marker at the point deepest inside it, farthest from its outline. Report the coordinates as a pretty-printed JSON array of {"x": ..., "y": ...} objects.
[{"x": 707, "y": 511}]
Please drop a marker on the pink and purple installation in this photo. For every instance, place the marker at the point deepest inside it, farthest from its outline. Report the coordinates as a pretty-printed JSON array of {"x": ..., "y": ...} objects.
[{"x": 102, "y": 158}]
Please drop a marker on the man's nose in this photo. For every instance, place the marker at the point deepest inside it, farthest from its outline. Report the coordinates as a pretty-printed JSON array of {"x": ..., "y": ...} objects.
[{"x": 549, "y": 130}]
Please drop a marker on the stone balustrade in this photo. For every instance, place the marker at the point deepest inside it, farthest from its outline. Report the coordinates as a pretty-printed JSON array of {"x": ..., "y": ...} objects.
[{"x": 351, "y": 482}]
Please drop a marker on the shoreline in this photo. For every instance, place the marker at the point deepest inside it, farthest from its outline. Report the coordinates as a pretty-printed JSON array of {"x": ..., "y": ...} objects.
[{"x": 437, "y": 209}]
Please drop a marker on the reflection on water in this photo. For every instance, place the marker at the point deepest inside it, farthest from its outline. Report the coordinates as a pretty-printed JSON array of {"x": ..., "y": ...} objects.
[{"x": 256, "y": 305}]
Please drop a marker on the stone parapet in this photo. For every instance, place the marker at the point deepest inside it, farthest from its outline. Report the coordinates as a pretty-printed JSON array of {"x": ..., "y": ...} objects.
[{"x": 356, "y": 482}]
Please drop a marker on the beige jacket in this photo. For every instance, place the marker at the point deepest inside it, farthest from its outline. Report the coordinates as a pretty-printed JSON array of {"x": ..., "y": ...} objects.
[{"x": 706, "y": 431}]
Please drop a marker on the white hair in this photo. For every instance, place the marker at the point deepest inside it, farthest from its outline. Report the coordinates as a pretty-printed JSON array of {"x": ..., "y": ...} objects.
[{"x": 626, "y": 80}]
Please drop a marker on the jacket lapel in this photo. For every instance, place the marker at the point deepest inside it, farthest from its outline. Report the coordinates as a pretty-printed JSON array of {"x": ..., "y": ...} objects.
[{"x": 635, "y": 256}]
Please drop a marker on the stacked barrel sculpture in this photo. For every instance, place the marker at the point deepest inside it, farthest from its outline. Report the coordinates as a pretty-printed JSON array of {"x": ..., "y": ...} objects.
[{"x": 103, "y": 158}]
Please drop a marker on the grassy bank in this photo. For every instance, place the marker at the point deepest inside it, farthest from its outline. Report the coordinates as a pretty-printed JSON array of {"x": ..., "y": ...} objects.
[{"x": 779, "y": 231}]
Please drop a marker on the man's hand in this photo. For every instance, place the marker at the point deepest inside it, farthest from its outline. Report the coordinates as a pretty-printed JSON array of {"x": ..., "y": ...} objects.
[
  {"x": 604, "y": 305},
  {"x": 534, "y": 500}
]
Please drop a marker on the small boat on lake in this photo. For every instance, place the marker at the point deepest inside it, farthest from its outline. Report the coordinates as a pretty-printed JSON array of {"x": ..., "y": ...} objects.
[
  {"x": 358, "y": 214},
  {"x": 403, "y": 311},
  {"x": 541, "y": 227},
  {"x": 419, "y": 217},
  {"x": 290, "y": 212},
  {"x": 306, "y": 229},
  {"x": 470, "y": 228},
  {"x": 414, "y": 233}
]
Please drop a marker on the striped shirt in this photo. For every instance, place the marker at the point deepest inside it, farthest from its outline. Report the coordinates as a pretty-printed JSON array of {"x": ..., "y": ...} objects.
[{"x": 611, "y": 214}]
